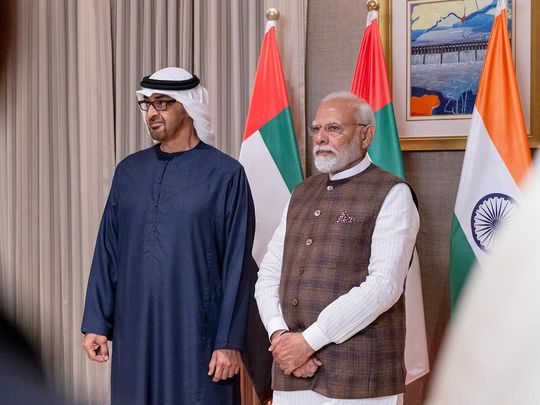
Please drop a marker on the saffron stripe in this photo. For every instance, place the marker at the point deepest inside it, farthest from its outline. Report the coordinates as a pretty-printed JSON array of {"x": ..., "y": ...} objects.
[{"x": 499, "y": 105}]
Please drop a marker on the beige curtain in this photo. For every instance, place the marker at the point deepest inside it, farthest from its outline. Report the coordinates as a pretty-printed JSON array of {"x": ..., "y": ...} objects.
[
  {"x": 147, "y": 35},
  {"x": 217, "y": 40},
  {"x": 57, "y": 154},
  {"x": 227, "y": 38},
  {"x": 227, "y": 41},
  {"x": 68, "y": 115}
]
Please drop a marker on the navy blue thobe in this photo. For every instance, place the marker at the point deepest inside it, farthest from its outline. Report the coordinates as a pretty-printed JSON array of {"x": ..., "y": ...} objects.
[{"x": 169, "y": 281}]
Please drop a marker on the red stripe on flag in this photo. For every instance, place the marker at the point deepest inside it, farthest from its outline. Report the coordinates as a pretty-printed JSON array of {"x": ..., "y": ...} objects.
[
  {"x": 269, "y": 95},
  {"x": 370, "y": 69}
]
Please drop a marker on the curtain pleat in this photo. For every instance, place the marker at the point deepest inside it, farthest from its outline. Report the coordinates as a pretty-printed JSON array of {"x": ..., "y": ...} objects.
[
  {"x": 227, "y": 38},
  {"x": 147, "y": 35},
  {"x": 57, "y": 149}
]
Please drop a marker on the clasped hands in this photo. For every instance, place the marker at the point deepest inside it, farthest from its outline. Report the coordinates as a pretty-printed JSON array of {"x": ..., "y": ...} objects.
[{"x": 293, "y": 354}]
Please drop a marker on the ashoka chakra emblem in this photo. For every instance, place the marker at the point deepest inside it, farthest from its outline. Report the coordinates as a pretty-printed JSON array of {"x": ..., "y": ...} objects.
[{"x": 489, "y": 217}]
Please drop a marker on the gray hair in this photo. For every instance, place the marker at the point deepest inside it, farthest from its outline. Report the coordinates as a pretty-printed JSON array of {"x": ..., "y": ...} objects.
[{"x": 364, "y": 111}]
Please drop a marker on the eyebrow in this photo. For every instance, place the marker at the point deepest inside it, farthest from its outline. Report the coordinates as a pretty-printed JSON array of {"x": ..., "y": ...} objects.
[
  {"x": 159, "y": 97},
  {"x": 328, "y": 123}
]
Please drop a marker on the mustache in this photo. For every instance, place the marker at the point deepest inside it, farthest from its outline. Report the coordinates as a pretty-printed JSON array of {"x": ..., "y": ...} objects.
[
  {"x": 323, "y": 148},
  {"x": 156, "y": 119}
]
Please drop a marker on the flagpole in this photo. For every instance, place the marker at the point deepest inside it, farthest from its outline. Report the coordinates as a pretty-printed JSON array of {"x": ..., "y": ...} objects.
[
  {"x": 373, "y": 9},
  {"x": 272, "y": 14},
  {"x": 248, "y": 394},
  {"x": 372, "y": 5},
  {"x": 370, "y": 82}
]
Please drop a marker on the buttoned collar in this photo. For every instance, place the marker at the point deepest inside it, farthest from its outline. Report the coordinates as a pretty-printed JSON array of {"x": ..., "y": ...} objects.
[{"x": 358, "y": 168}]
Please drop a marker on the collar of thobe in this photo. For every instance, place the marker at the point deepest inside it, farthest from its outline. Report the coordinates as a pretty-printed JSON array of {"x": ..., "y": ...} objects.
[{"x": 161, "y": 155}]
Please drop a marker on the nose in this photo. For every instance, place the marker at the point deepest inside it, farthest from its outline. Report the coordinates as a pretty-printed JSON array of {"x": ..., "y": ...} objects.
[
  {"x": 151, "y": 111},
  {"x": 321, "y": 138}
]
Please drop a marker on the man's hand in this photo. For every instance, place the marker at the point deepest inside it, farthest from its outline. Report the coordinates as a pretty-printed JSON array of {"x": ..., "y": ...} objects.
[
  {"x": 225, "y": 363},
  {"x": 277, "y": 333},
  {"x": 96, "y": 347},
  {"x": 308, "y": 369},
  {"x": 290, "y": 351}
]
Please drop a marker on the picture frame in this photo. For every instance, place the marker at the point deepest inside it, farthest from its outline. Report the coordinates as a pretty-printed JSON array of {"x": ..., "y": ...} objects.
[{"x": 451, "y": 133}]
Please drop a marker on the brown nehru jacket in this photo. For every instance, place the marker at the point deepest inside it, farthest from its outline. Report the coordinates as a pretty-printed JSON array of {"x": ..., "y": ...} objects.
[{"x": 327, "y": 252}]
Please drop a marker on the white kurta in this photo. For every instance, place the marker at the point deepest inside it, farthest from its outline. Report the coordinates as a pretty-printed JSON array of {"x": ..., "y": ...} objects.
[{"x": 392, "y": 245}]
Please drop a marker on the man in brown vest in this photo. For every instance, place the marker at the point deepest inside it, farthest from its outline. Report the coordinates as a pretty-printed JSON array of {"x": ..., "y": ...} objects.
[{"x": 330, "y": 288}]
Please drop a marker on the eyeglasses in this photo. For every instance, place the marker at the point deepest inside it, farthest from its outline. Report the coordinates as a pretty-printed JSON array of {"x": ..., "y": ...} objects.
[
  {"x": 333, "y": 129},
  {"x": 159, "y": 105}
]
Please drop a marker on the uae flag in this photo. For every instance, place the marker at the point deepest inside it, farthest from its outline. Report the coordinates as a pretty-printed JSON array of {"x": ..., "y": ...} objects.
[
  {"x": 269, "y": 152},
  {"x": 370, "y": 82},
  {"x": 497, "y": 158}
]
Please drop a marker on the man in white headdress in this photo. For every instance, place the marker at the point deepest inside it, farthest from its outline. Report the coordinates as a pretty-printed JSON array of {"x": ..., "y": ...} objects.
[{"x": 170, "y": 276}]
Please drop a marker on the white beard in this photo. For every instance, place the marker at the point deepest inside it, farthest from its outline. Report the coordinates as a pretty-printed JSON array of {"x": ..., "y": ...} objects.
[{"x": 336, "y": 162}]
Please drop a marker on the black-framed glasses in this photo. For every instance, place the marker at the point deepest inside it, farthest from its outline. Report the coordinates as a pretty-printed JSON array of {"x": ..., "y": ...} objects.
[
  {"x": 159, "y": 105},
  {"x": 332, "y": 128}
]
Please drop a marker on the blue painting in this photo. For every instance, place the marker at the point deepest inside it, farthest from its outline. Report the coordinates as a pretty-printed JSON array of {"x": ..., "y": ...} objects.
[{"x": 448, "y": 42}]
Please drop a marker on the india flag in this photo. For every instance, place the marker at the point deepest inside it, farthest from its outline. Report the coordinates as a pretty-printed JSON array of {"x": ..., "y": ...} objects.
[
  {"x": 497, "y": 158},
  {"x": 269, "y": 151},
  {"x": 370, "y": 82}
]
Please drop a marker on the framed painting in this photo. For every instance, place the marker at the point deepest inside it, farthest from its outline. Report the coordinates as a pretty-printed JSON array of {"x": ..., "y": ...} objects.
[
  {"x": 447, "y": 43},
  {"x": 435, "y": 50}
]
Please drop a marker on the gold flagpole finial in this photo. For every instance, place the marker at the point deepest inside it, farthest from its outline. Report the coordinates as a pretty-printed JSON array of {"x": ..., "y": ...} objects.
[
  {"x": 272, "y": 14},
  {"x": 372, "y": 5}
]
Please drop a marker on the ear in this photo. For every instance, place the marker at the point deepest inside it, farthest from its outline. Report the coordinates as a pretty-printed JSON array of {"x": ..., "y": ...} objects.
[{"x": 368, "y": 133}]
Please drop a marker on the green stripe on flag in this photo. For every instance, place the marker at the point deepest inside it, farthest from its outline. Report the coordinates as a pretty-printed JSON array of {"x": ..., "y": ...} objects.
[
  {"x": 278, "y": 135},
  {"x": 462, "y": 259},
  {"x": 385, "y": 151}
]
